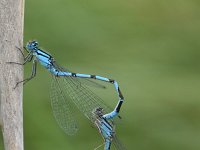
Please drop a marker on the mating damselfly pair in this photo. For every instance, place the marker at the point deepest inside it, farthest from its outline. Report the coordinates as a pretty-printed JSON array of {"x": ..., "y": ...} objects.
[{"x": 68, "y": 90}]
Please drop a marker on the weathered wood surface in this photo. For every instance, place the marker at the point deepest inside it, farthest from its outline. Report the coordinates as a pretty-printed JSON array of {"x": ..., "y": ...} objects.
[{"x": 11, "y": 35}]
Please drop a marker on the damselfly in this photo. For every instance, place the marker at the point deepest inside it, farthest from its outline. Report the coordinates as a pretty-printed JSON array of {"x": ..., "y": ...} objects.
[
  {"x": 68, "y": 90},
  {"x": 106, "y": 127}
]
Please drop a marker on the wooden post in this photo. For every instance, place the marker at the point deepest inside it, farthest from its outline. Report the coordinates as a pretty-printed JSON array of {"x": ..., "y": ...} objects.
[{"x": 11, "y": 35}]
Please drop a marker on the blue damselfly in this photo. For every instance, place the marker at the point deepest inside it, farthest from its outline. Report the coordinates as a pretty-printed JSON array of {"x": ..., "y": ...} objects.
[{"x": 68, "y": 90}]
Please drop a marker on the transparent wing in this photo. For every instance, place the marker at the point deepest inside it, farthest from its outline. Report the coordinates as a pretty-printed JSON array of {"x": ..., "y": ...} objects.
[
  {"x": 62, "y": 108},
  {"x": 117, "y": 143},
  {"x": 89, "y": 82},
  {"x": 83, "y": 98}
]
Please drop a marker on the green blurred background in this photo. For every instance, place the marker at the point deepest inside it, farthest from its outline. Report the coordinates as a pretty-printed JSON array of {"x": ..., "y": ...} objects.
[{"x": 151, "y": 48}]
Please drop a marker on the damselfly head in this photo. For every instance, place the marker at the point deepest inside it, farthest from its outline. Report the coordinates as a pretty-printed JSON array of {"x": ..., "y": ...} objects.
[
  {"x": 98, "y": 112},
  {"x": 32, "y": 45}
]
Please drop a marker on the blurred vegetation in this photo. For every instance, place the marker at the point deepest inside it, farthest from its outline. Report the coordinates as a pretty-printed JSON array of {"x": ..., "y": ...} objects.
[{"x": 151, "y": 48}]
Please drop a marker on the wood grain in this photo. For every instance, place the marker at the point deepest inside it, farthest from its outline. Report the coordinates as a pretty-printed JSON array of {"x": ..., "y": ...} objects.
[{"x": 11, "y": 35}]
